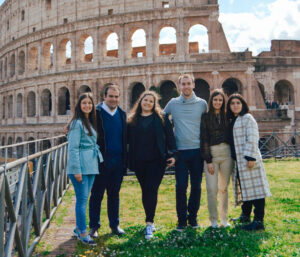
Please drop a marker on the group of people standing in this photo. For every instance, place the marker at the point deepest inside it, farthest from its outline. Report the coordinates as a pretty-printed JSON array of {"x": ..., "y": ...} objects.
[{"x": 226, "y": 138}]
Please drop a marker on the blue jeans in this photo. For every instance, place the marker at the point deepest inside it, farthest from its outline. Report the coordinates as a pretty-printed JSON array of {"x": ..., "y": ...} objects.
[
  {"x": 82, "y": 191},
  {"x": 189, "y": 161},
  {"x": 109, "y": 179}
]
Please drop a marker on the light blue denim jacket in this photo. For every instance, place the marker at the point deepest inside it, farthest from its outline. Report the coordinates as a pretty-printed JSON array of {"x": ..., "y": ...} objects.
[{"x": 82, "y": 150}]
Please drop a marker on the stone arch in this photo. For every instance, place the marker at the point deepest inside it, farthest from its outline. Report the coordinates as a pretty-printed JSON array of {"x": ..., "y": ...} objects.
[
  {"x": 21, "y": 63},
  {"x": 12, "y": 65},
  {"x": 31, "y": 104},
  {"x": 63, "y": 101},
  {"x": 9, "y": 149},
  {"x": 19, "y": 105},
  {"x": 167, "y": 41},
  {"x": 86, "y": 48},
  {"x": 46, "y": 144},
  {"x": 284, "y": 92},
  {"x": 262, "y": 90},
  {"x": 167, "y": 91},
  {"x": 47, "y": 58},
  {"x": 202, "y": 89},
  {"x": 137, "y": 88},
  {"x": 112, "y": 45},
  {"x": 10, "y": 106},
  {"x": 33, "y": 59},
  {"x": 5, "y": 67},
  {"x": 84, "y": 89},
  {"x": 46, "y": 102},
  {"x": 20, "y": 148},
  {"x": 3, "y": 107},
  {"x": 232, "y": 85},
  {"x": 64, "y": 52},
  {"x": 31, "y": 146},
  {"x": 138, "y": 43},
  {"x": 198, "y": 39}
]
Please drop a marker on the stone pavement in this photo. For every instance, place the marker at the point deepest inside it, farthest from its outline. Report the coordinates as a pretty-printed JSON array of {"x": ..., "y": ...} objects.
[{"x": 57, "y": 239}]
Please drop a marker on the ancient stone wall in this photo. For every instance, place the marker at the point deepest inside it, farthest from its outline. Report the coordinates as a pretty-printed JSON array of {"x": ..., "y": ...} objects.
[{"x": 45, "y": 62}]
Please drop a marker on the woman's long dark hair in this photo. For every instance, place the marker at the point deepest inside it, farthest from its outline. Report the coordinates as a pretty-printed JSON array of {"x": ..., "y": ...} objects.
[
  {"x": 137, "y": 108},
  {"x": 245, "y": 107},
  {"x": 211, "y": 109},
  {"x": 78, "y": 114}
]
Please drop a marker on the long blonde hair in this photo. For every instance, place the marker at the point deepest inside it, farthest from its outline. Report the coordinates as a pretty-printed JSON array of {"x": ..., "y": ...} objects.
[{"x": 136, "y": 110}]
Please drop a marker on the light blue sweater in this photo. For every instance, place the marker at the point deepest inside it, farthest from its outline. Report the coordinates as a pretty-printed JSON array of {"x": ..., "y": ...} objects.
[{"x": 186, "y": 114}]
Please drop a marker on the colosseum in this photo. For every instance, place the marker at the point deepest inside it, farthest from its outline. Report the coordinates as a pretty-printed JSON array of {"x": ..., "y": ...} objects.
[{"x": 45, "y": 62}]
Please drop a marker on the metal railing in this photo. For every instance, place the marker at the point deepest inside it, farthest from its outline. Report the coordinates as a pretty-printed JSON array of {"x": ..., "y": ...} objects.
[
  {"x": 31, "y": 188},
  {"x": 280, "y": 144}
]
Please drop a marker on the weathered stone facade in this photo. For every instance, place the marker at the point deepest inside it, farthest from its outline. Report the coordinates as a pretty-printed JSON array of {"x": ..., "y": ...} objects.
[{"x": 39, "y": 82}]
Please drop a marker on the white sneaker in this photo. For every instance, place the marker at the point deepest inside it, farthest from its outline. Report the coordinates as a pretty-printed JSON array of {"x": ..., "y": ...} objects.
[
  {"x": 214, "y": 224},
  {"x": 148, "y": 232},
  {"x": 153, "y": 227},
  {"x": 225, "y": 224}
]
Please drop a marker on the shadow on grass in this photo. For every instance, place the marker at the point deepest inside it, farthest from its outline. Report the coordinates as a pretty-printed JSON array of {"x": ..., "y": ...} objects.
[{"x": 201, "y": 242}]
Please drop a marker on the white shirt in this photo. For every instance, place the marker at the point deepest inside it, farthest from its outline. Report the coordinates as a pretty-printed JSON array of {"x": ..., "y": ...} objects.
[{"x": 108, "y": 110}]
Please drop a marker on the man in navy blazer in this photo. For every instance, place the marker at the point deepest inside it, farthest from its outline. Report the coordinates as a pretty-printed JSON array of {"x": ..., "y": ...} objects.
[{"x": 112, "y": 139}]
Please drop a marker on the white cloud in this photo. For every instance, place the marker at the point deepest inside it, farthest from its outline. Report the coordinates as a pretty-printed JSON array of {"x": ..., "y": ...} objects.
[
  {"x": 278, "y": 20},
  {"x": 231, "y": 1}
]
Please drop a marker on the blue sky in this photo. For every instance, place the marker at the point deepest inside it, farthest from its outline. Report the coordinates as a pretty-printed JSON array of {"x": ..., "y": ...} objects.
[{"x": 253, "y": 24}]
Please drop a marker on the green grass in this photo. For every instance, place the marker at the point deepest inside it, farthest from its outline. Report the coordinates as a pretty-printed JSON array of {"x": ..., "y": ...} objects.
[{"x": 281, "y": 237}]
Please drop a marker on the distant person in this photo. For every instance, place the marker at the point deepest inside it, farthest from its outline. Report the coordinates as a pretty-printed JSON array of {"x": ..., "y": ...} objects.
[
  {"x": 82, "y": 166},
  {"x": 186, "y": 111},
  {"x": 215, "y": 151},
  {"x": 112, "y": 130},
  {"x": 151, "y": 148},
  {"x": 249, "y": 178}
]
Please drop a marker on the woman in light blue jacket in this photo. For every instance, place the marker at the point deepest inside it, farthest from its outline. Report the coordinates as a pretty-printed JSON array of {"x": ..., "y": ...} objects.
[{"x": 83, "y": 155}]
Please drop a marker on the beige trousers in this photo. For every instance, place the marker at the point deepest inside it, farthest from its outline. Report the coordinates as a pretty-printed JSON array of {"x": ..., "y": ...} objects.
[{"x": 219, "y": 181}]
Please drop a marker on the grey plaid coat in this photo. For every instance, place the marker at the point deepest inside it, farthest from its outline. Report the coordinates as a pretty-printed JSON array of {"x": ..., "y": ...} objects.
[{"x": 253, "y": 182}]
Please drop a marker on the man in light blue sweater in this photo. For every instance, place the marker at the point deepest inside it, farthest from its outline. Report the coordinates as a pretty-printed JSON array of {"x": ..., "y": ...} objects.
[{"x": 186, "y": 111}]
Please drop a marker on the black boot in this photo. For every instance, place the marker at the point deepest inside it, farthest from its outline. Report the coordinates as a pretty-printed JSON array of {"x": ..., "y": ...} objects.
[
  {"x": 242, "y": 219},
  {"x": 254, "y": 226}
]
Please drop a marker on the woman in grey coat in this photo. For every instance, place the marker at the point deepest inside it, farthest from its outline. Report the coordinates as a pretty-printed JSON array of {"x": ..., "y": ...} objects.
[{"x": 249, "y": 179}]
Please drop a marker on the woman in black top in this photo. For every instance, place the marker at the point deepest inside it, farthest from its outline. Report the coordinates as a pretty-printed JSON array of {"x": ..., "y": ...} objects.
[
  {"x": 151, "y": 146},
  {"x": 216, "y": 152}
]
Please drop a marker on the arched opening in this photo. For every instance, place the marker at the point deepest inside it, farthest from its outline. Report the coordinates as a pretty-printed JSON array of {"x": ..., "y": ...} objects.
[
  {"x": 5, "y": 67},
  {"x": 31, "y": 146},
  {"x": 3, "y": 107},
  {"x": 12, "y": 64},
  {"x": 20, "y": 148},
  {"x": 64, "y": 52},
  {"x": 31, "y": 108},
  {"x": 33, "y": 59},
  {"x": 84, "y": 89},
  {"x": 262, "y": 90},
  {"x": 1, "y": 70},
  {"x": 46, "y": 103},
  {"x": 112, "y": 45},
  {"x": 63, "y": 101},
  {"x": 202, "y": 89},
  {"x": 86, "y": 48},
  {"x": 231, "y": 86},
  {"x": 138, "y": 44},
  {"x": 167, "y": 91},
  {"x": 10, "y": 106},
  {"x": 167, "y": 41},
  {"x": 19, "y": 105},
  {"x": 137, "y": 89},
  {"x": 21, "y": 62},
  {"x": 9, "y": 149},
  {"x": 47, "y": 58},
  {"x": 22, "y": 15},
  {"x": 284, "y": 92},
  {"x": 46, "y": 144},
  {"x": 198, "y": 39},
  {"x": 3, "y": 144}
]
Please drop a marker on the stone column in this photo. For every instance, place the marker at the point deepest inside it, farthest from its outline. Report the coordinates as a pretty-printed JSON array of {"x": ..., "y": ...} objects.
[
  {"x": 249, "y": 92},
  {"x": 215, "y": 80}
]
